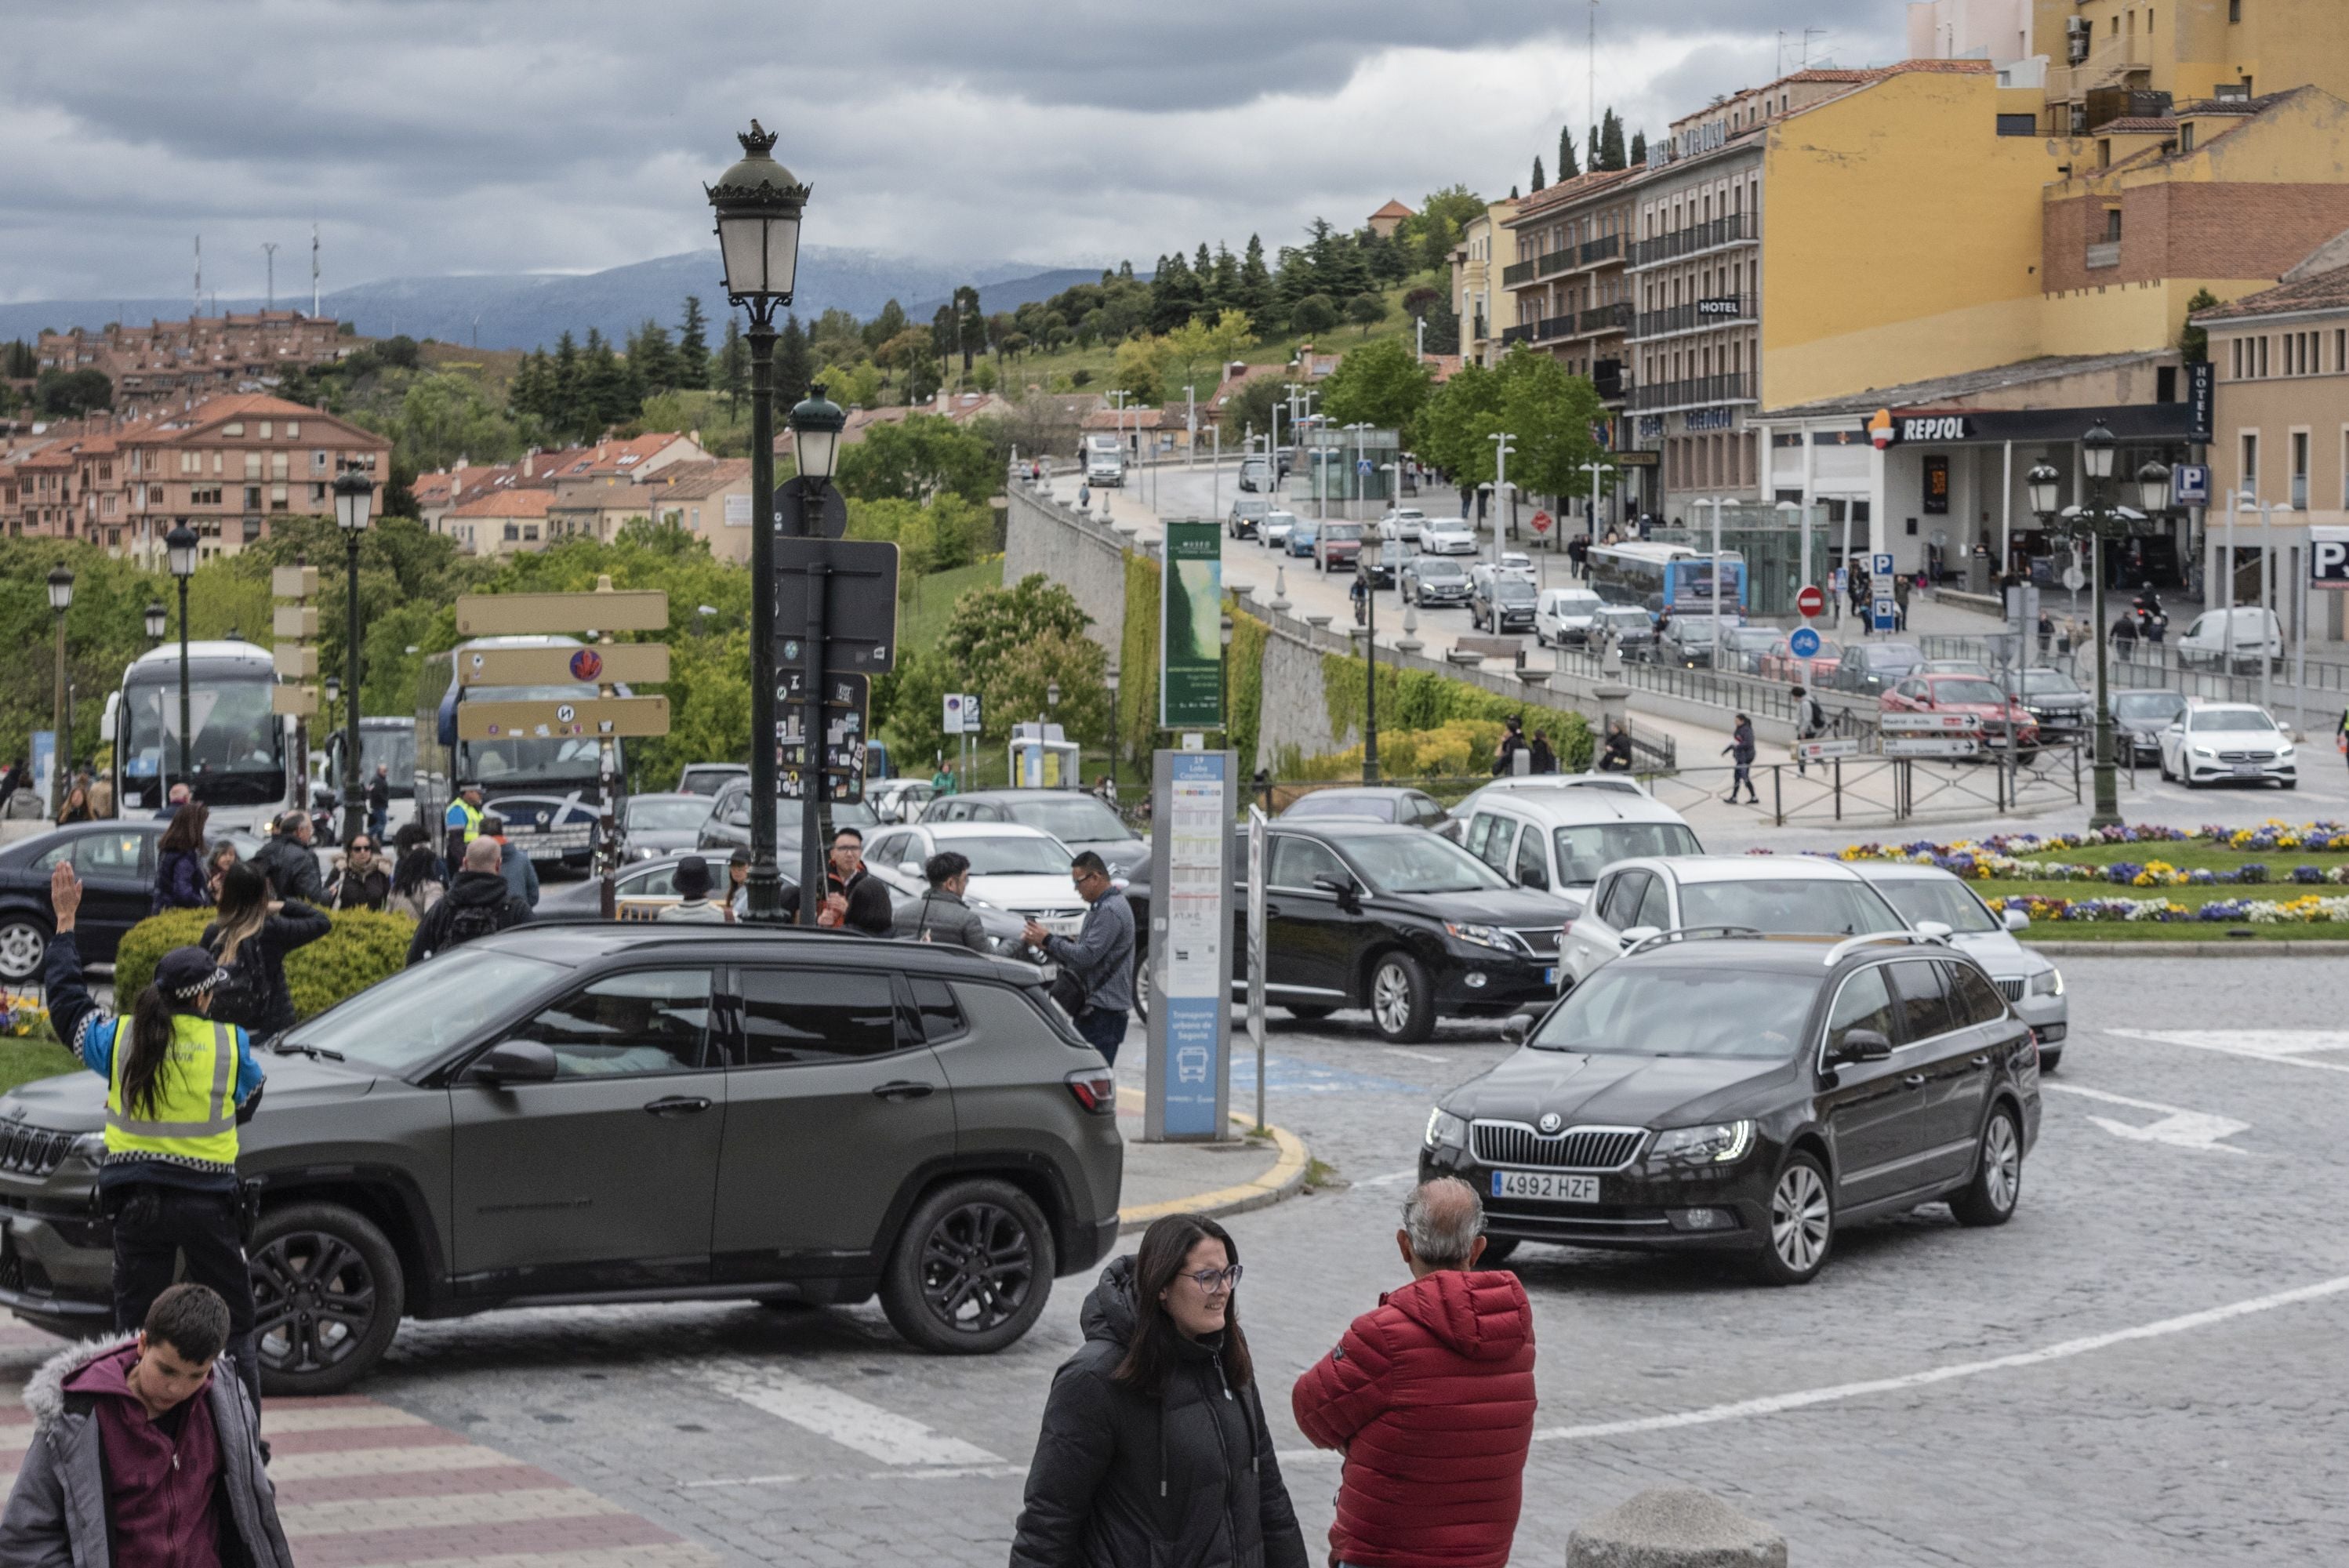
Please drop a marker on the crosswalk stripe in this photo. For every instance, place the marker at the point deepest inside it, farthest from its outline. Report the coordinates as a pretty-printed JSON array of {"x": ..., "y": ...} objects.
[{"x": 835, "y": 1415}]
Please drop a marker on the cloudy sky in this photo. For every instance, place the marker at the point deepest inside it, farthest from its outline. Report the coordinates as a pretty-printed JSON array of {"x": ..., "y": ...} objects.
[{"x": 440, "y": 136}]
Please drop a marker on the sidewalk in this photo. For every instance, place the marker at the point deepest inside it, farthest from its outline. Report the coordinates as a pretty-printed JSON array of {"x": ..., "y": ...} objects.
[{"x": 1230, "y": 1176}]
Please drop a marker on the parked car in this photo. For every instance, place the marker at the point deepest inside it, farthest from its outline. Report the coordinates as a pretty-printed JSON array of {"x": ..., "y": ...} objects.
[
  {"x": 2257, "y": 635},
  {"x": 1870, "y": 668},
  {"x": 2032, "y": 985},
  {"x": 1687, "y": 642},
  {"x": 830, "y": 1116},
  {"x": 2141, "y": 713},
  {"x": 554, "y": 831},
  {"x": 1020, "y": 869},
  {"x": 1560, "y": 840},
  {"x": 1247, "y": 511},
  {"x": 2228, "y": 742},
  {"x": 1447, "y": 536},
  {"x": 1401, "y": 525},
  {"x": 709, "y": 778},
  {"x": 1778, "y": 895},
  {"x": 660, "y": 824},
  {"x": 1779, "y": 664},
  {"x": 1077, "y": 820},
  {"x": 2054, "y": 700},
  {"x": 899, "y": 800},
  {"x": 728, "y": 826},
  {"x": 1973, "y": 669},
  {"x": 1630, "y": 630},
  {"x": 1499, "y": 602},
  {"x": 1375, "y": 803},
  {"x": 1742, "y": 648},
  {"x": 1562, "y": 616},
  {"x": 1300, "y": 538},
  {"x": 1394, "y": 919},
  {"x": 116, "y": 863},
  {"x": 1517, "y": 563},
  {"x": 654, "y": 880},
  {"x": 2003, "y": 717},
  {"x": 1753, "y": 1097},
  {"x": 1337, "y": 544},
  {"x": 1435, "y": 580},
  {"x": 1272, "y": 530}
]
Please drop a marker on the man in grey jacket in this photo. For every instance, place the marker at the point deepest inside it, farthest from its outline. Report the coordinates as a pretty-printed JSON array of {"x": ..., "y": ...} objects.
[
  {"x": 137, "y": 1444},
  {"x": 942, "y": 915},
  {"x": 1100, "y": 958}
]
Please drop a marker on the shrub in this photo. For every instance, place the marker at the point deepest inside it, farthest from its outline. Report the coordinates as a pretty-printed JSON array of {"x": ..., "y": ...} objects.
[{"x": 363, "y": 948}]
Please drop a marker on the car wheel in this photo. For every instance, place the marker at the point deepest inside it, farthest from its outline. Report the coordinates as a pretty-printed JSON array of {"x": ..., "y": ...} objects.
[
  {"x": 971, "y": 1270},
  {"x": 1311, "y": 1015},
  {"x": 1497, "y": 1251},
  {"x": 1402, "y": 1003},
  {"x": 1142, "y": 987},
  {"x": 1801, "y": 1221},
  {"x": 327, "y": 1294},
  {"x": 1990, "y": 1198},
  {"x": 2050, "y": 1060},
  {"x": 23, "y": 942}
]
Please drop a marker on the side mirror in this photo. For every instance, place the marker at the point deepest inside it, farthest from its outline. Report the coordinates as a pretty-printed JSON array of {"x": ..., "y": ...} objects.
[
  {"x": 1860, "y": 1046},
  {"x": 1639, "y": 933},
  {"x": 1515, "y": 1027},
  {"x": 1931, "y": 928},
  {"x": 1536, "y": 877},
  {"x": 909, "y": 868},
  {"x": 512, "y": 1062},
  {"x": 2017, "y": 920},
  {"x": 1348, "y": 896}
]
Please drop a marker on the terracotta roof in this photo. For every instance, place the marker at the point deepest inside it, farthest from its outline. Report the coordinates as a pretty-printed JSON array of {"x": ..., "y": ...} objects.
[
  {"x": 693, "y": 481},
  {"x": 2325, "y": 291},
  {"x": 518, "y": 502},
  {"x": 2201, "y": 106},
  {"x": 1392, "y": 210},
  {"x": 1572, "y": 190},
  {"x": 2137, "y": 125},
  {"x": 1898, "y": 68}
]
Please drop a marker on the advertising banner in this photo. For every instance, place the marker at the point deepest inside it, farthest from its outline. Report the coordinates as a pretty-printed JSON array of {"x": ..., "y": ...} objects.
[{"x": 1190, "y": 628}]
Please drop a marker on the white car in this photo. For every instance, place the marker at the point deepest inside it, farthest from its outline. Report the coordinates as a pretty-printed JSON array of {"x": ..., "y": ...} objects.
[
  {"x": 1769, "y": 895},
  {"x": 1564, "y": 616},
  {"x": 1024, "y": 871},
  {"x": 1272, "y": 529},
  {"x": 1517, "y": 563},
  {"x": 2218, "y": 742},
  {"x": 1447, "y": 536},
  {"x": 2029, "y": 981},
  {"x": 1563, "y": 840},
  {"x": 2257, "y": 635},
  {"x": 1402, "y": 524}
]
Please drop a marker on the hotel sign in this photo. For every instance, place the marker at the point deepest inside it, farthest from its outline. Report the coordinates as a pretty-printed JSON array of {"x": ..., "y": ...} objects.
[
  {"x": 1727, "y": 304},
  {"x": 1671, "y": 149}
]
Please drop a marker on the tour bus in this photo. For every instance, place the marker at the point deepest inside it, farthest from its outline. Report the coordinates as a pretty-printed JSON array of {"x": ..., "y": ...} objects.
[
  {"x": 238, "y": 759},
  {"x": 1658, "y": 577},
  {"x": 550, "y": 791},
  {"x": 389, "y": 741}
]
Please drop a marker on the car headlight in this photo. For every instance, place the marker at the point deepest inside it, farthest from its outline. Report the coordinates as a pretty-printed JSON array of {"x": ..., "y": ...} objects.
[
  {"x": 2284, "y": 755},
  {"x": 1482, "y": 936},
  {"x": 90, "y": 1147},
  {"x": 1445, "y": 1130},
  {"x": 2202, "y": 751},
  {"x": 1716, "y": 1144},
  {"x": 2050, "y": 984}
]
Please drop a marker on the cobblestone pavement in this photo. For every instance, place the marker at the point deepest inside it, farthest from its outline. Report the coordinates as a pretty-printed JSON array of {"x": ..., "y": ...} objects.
[{"x": 2120, "y": 1376}]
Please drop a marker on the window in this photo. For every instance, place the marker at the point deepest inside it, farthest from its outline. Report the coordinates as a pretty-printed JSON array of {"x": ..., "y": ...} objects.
[
  {"x": 1622, "y": 903},
  {"x": 1972, "y": 998},
  {"x": 2186, "y": 136},
  {"x": 2262, "y": 371},
  {"x": 1864, "y": 1003},
  {"x": 791, "y": 1016},
  {"x": 649, "y": 1021},
  {"x": 2248, "y": 473},
  {"x": 264, "y": 429},
  {"x": 2235, "y": 372},
  {"x": 2018, "y": 125},
  {"x": 1296, "y": 862},
  {"x": 1531, "y": 870},
  {"x": 293, "y": 430},
  {"x": 114, "y": 855},
  {"x": 2112, "y": 225},
  {"x": 2234, "y": 10},
  {"x": 2299, "y": 471},
  {"x": 1924, "y": 1006},
  {"x": 1655, "y": 905},
  {"x": 934, "y": 1003},
  {"x": 1490, "y": 837},
  {"x": 234, "y": 428}
]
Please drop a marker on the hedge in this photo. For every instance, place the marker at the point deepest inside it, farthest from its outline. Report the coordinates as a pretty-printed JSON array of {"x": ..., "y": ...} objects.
[
  {"x": 363, "y": 948},
  {"x": 1462, "y": 749},
  {"x": 1410, "y": 700}
]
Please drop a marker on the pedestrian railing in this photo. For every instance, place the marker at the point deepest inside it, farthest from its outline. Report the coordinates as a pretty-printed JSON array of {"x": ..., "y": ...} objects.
[{"x": 1869, "y": 788}]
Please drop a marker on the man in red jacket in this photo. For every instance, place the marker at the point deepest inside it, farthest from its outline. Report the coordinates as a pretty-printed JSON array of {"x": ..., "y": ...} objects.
[{"x": 1432, "y": 1398}]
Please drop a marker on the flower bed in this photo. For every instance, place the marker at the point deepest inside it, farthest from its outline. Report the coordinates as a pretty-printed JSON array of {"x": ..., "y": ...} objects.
[
  {"x": 22, "y": 1018},
  {"x": 2002, "y": 857},
  {"x": 2307, "y": 909}
]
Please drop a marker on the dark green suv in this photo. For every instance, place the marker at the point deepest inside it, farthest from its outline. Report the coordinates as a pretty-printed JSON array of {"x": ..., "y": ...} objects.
[{"x": 601, "y": 1112}]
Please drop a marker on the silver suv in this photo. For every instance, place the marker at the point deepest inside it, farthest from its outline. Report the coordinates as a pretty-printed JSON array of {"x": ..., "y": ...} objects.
[{"x": 567, "y": 1113}]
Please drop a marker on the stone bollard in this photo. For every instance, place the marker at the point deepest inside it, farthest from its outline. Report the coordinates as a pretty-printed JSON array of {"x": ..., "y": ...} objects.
[{"x": 1675, "y": 1527}]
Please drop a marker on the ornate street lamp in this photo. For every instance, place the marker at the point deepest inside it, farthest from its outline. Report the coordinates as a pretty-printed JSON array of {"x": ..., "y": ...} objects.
[
  {"x": 1109, "y": 679},
  {"x": 757, "y": 204},
  {"x": 158, "y": 621},
  {"x": 2098, "y": 520},
  {"x": 179, "y": 552},
  {"x": 354, "y": 499},
  {"x": 60, "y": 601}
]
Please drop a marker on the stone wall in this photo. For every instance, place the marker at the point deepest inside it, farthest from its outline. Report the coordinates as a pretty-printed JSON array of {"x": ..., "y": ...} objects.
[{"x": 1080, "y": 553}]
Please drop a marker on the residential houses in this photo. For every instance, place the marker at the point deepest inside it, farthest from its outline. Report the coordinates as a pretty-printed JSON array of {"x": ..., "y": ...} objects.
[
  {"x": 174, "y": 365},
  {"x": 543, "y": 498}
]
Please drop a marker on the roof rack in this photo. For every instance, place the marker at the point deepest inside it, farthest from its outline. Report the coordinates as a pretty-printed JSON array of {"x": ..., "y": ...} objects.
[
  {"x": 1850, "y": 945},
  {"x": 1684, "y": 932}
]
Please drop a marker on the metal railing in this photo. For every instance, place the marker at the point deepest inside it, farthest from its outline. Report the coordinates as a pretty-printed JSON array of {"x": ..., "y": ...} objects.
[
  {"x": 1604, "y": 248},
  {"x": 1694, "y": 318},
  {"x": 2147, "y": 664},
  {"x": 1733, "y": 230},
  {"x": 1698, "y": 393},
  {"x": 1615, "y": 317},
  {"x": 1855, "y": 790},
  {"x": 1518, "y": 273},
  {"x": 1554, "y": 261}
]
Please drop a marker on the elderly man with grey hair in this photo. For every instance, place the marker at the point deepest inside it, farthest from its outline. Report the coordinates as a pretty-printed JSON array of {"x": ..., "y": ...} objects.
[{"x": 1431, "y": 1397}]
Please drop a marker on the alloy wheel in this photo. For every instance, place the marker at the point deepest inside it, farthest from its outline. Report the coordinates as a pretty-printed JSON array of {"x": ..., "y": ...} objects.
[
  {"x": 2002, "y": 1163},
  {"x": 1391, "y": 998},
  {"x": 978, "y": 1265},
  {"x": 21, "y": 947},
  {"x": 314, "y": 1301},
  {"x": 1799, "y": 1219}
]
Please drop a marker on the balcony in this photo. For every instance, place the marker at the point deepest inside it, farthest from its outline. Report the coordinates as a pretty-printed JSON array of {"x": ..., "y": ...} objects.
[
  {"x": 1516, "y": 274},
  {"x": 1723, "y": 310},
  {"x": 2104, "y": 254},
  {"x": 1701, "y": 392},
  {"x": 1733, "y": 230},
  {"x": 1616, "y": 317},
  {"x": 1605, "y": 248},
  {"x": 1521, "y": 333},
  {"x": 1555, "y": 263},
  {"x": 1551, "y": 328}
]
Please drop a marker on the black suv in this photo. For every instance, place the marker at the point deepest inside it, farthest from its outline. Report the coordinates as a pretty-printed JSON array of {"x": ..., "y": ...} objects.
[
  {"x": 1396, "y": 919},
  {"x": 567, "y": 1113},
  {"x": 1718, "y": 1090}
]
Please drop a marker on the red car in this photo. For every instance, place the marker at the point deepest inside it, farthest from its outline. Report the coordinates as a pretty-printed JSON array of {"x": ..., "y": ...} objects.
[
  {"x": 1778, "y": 664},
  {"x": 1964, "y": 694}
]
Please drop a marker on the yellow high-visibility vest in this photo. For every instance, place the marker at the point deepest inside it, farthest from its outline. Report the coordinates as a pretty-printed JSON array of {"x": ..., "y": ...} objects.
[{"x": 194, "y": 1113}]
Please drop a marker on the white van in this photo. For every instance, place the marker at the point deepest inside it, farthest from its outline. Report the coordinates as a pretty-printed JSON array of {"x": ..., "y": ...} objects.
[
  {"x": 2257, "y": 635},
  {"x": 1563, "y": 617}
]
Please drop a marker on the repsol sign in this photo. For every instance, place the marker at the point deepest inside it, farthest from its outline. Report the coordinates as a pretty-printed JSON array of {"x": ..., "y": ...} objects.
[{"x": 1935, "y": 428}]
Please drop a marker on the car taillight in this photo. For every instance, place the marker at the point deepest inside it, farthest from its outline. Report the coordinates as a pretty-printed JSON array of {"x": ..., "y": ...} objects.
[{"x": 1095, "y": 1089}]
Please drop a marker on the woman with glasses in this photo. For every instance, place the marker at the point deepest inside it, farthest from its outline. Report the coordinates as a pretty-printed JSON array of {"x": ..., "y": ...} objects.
[
  {"x": 1155, "y": 1448},
  {"x": 361, "y": 880}
]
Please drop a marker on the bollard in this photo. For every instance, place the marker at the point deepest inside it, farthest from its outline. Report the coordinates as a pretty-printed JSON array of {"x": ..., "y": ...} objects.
[{"x": 1675, "y": 1527}]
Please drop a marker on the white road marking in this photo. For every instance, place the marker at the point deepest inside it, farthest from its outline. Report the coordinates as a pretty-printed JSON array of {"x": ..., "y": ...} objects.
[
  {"x": 830, "y": 1413},
  {"x": 1774, "y": 1404},
  {"x": 2291, "y": 1047},
  {"x": 2186, "y": 1129},
  {"x": 1392, "y": 1179},
  {"x": 1415, "y": 1055},
  {"x": 930, "y": 1472}
]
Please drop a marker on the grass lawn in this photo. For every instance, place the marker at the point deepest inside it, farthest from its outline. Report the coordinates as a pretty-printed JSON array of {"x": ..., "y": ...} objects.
[
  {"x": 922, "y": 617},
  {"x": 2190, "y": 856},
  {"x": 2156, "y": 931},
  {"x": 21, "y": 1061}
]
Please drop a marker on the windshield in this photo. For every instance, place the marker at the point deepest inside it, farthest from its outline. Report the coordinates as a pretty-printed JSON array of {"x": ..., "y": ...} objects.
[
  {"x": 2228, "y": 718},
  {"x": 1513, "y": 590},
  {"x": 235, "y": 730},
  {"x": 1446, "y": 525},
  {"x": 1573, "y": 603},
  {"x": 1931, "y": 898},
  {"x": 408, "y": 1022},
  {"x": 1791, "y": 907},
  {"x": 1968, "y": 691},
  {"x": 1440, "y": 566},
  {"x": 1631, "y": 1010},
  {"x": 2040, "y": 682},
  {"x": 1337, "y": 803},
  {"x": 1070, "y": 818},
  {"x": 1011, "y": 856},
  {"x": 1419, "y": 862},
  {"x": 1343, "y": 530},
  {"x": 512, "y": 760},
  {"x": 652, "y": 814},
  {"x": 1583, "y": 852},
  {"x": 1280, "y": 518},
  {"x": 396, "y": 750},
  {"x": 2148, "y": 705},
  {"x": 1635, "y": 619}
]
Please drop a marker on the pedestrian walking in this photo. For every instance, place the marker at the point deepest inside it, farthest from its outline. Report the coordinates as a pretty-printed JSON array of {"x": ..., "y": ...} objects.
[
  {"x": 1901, "y": 588},
  {"x": 692, "y": 881},
  {"x": 379, "y": 800},
  {"x": 1578, "y": 556},
  {"x": 416, "y": 884},
  {"x": 179, "y": 1084},
  {"x": 142, "y": 1454},
  {"x": 179, "y": 864},
  {"x": 1153, "y": 1447},
  {"x": 362, "y": 879},
  {"x": 1740, "y": 751},
  {"x": 1545, "y": 760},
  {"x": 852, "y": 899},
  {"x": 2124, "y": 636},
  {"x": 289, "y": 863},
  {"x": 478, "y": 903},
  {"x": 1097, "y": 963},
  {"x": 1084, "y": 498},
  {"x": 943, "y": 915},
  {"x": 2046, "y": 632},
  {"x": 1430, "y": 1397},
  {"x": 1810, "y": 723},
  {"x": 249, "y": 940},
  {"x": 2341, "y": 736},
  {"x": 943, "y": 779},
  {"x": 2156, "y": 627},
  {"x": 460, "y": 824},
  {"x": 1360, "y": 593},
  {"x": 514, "y": 865},
  {"x": 1615, "y": 756}
]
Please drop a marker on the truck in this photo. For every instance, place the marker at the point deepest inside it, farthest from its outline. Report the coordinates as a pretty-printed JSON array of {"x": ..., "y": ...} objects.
[{"x": 1104, "y": 461}]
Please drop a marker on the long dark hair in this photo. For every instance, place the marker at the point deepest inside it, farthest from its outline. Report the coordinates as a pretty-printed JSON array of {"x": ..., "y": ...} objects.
[
  {"x": 187, "y": 830},
  {"x": 243, "y": 906},
  {"x": 1150, "y": 1355},
  {"x": 151, "y": 1047},
  {"x": 415, "y": 869}
]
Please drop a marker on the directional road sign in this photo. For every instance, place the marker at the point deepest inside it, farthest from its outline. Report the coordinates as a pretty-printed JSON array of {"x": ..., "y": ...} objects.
[
  {"x": 1930, "y": 746},
  {"x": 596, "y": 716},
  {"x": 615, "y": 663},
  {"x": 860, "y": 607},
  {"x": 1825, "y": 750},
  {"x": 533, "y": 615},
  {"x": 1929, "y": 723},
  {"x": 1803, "y": 644},
  {"x": 1810, "y": 602},
  {"x": 791, "y": 510}
]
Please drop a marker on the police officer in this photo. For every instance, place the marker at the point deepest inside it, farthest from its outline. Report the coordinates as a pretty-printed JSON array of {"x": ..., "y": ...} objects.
[
  {"x": 178, "y": 1085},
  {"x": 462, "y": 823}
]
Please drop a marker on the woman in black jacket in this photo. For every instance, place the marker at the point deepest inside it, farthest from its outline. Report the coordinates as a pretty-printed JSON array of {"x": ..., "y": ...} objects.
[
  {"x": 180, "y": 862},
  {"x": 251, "y": 939},
  {"x": 1155, "y": 1449}
]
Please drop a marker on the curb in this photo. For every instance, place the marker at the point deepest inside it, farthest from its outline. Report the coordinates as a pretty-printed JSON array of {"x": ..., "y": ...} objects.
[
  {"x": 2250, "y": 948},
  {"x": 1282, "y": 1179}
]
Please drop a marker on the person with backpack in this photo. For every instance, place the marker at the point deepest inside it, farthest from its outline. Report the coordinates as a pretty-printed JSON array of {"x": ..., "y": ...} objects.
[
  {"x": 179, "y": 864},
  {"x": 1810, "y": 723},
  {"x": 942, "y": 915},
  {"x": 477, "y": 903},
  {"x": 249, "y": 941}
]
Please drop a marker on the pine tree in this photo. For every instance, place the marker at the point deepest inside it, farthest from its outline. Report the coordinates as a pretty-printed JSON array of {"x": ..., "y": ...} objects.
[
  {"x": 1592, "y": 160},
  {"x": 1224, "y": 292},
  {"x": 1610, "y": 142},
  {"x": 1638, "y": 147},
  {"x": 886, "y": 326},
  {"x": 791, "y": 373},
  {"x": 567, "y": 407},
  {"x": 1256, "y": 292},
  {"x": 693, "y": 346},
  {"x": 1513, "y": 193},
  {"x": 1537, "y": 173},
  {"x": 652, "y": 358},
  {"x": 734, "y": 365},
  {"x": 1566, "y": 164}
]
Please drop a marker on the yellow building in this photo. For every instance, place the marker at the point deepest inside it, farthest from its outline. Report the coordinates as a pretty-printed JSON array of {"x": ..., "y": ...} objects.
[
  {"x": 1487, "y": 248},
  {"x": 2100, "y": 51}
]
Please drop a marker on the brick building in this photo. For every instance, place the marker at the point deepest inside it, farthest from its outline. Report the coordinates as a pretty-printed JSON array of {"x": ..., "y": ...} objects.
[{"x": 174, "y": 365}]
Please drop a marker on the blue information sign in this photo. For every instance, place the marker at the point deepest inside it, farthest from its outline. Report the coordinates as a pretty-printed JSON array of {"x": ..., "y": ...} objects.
[
  {"x": 1888, "y": 614},
  {"x": 2191, "y": 483},
  {"x": 1883, "y": 564},
  {"x": 1803, "y": 644}
]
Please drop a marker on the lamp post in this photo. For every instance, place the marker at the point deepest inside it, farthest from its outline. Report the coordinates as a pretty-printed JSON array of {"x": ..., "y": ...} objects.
[
  {"x": 816, "y": 424},
  {"x": 158, "y": 621},
  {"x": 60, "y": 601},
  {"x": 1373, "y": 558},
  {"x": 2098, "y": 520},
  {"x": 1504, "y": 448},
  {"x": 757, "y": 205},
  {"x": 354, "y": 499},
  {"x": 1109, "y": 679},
  {"x": 180, "y": 552}
]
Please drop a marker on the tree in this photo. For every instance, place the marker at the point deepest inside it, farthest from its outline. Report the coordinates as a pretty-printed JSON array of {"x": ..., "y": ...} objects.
[
  {"x": 1366, "y": 311},
  {"x": 1256, "y": 289},
  {"x": 1638, "y": 147},
  {"x": 971, "y": 326},
  {"x": 64, "y": 394},
  {"x": 1009, "y": 642},
  {"x": 1314, "y": 313},
  {"x": 856, "y": 385},
  {"x": 2194, "y": 341},
  {"x": 886, "y": 326},
  {"x": 1566, "y": 165},
  {"x": 1249, "y": 410},
  {"x": 652, "y": 358},
  {"x": 1196, "y": 341},
  {"x": 984, "y": 377},
  {"x": 792, "y": 371},
  {"x": 1381, "y": 383},
  {"x": 919, "y": 458},
  {"x": 734, "y": 365},
  {"x": 1417, "y": 302},
  {"x": 444, "y": 417},
  {"x": 693, "y": 346},
  {"x": 1610, "y": 142},
  {"x": 1141, "y": 368},
  {"x": 1442, "y": 335},
  {"x": 1538, "y": 182},
  {"x": 20, "y": 365}
]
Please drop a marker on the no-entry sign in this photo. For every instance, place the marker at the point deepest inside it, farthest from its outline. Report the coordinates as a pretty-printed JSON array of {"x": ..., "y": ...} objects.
[
  {"x": 1541, "y": 522},
  {"x": 1810, "y": 600}
]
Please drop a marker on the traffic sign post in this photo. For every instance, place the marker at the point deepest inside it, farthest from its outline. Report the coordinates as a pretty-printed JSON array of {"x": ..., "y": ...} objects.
[
  {"x": 619, "y": 663},
  {"x": 1825, "y": 750},
  {"x": 826, "y": 519},
  {"x": 1803, "y": 644},
  {"x": 1930, "y": 746},
  {"x": 1929, "y": 723}
]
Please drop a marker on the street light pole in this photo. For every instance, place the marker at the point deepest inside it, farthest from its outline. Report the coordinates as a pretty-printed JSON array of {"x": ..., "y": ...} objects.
[
  {"x": 1503, "y": 447},
  {"x": 61, "y": 582},
  {"x": 2100, "y": 519},
  {"x": 816, "y": 424},
  {"x": 1375, "y": 553},
  {"x": 758, "y": 203},
  {"x": 180, "y": 551},
  {"x": 354, "y": 498}
]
